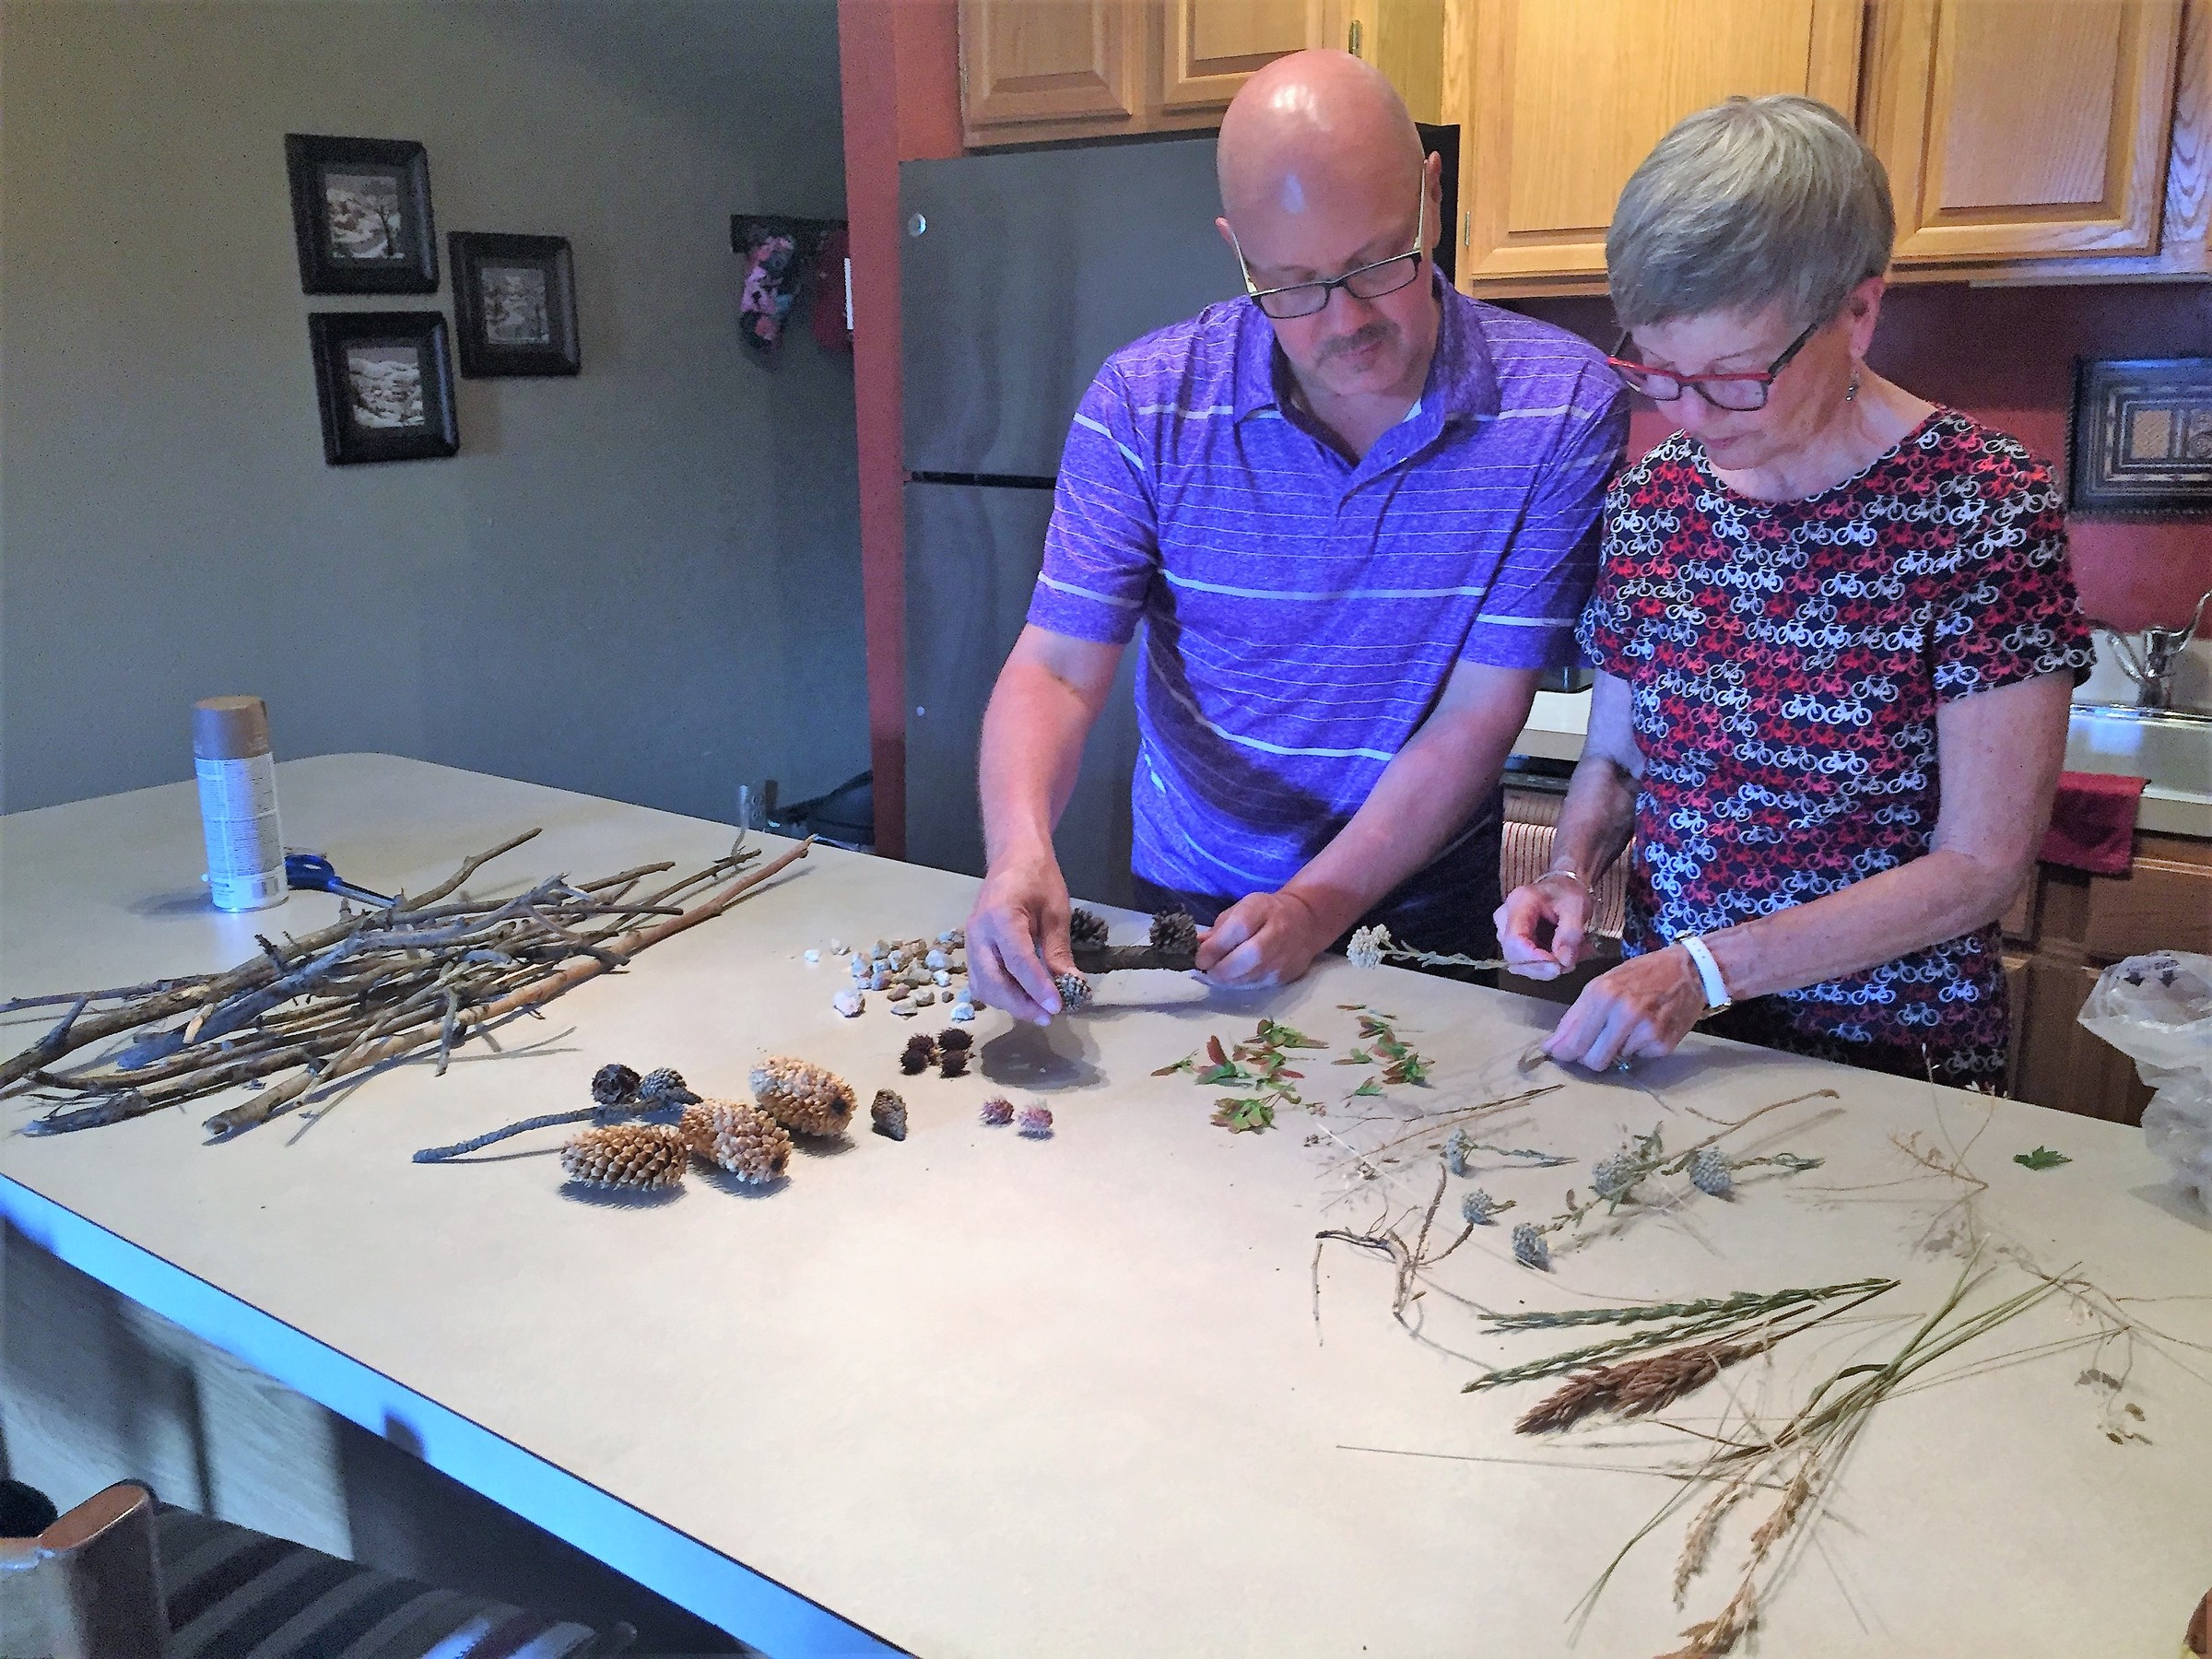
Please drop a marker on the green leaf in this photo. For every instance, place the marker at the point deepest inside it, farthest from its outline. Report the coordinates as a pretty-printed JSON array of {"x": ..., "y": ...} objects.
[
  {"x": 1368, "y": 1088},
  {"x": 1238, "y": 1116},
  {"x": 1188, "y": 1062},
  {"x": 2042, "y": 1157},
  {"x": 1229, "y": 1071},
  {"x": 1357, "y": 1057},
  {"x": 1412, "y": 1068},
  {"x": 1277, "y": 1035}
]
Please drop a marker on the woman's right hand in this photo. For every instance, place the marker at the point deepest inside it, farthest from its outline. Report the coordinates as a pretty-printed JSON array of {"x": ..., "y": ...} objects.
[{"x": 1556, "y": 901}]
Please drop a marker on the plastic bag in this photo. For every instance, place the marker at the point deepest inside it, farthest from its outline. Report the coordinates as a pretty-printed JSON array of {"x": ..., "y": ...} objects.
[{"x": 2158, "y": 1010}]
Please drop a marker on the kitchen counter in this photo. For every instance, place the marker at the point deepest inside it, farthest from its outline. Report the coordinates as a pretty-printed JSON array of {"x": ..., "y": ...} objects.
[
  {"x": 2099, "y": 740},
  {"x": 973, "y": 1394}
]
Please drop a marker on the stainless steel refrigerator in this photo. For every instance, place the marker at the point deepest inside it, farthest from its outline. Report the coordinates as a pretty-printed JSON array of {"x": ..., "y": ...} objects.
[{"x": 1020, "y": 273}]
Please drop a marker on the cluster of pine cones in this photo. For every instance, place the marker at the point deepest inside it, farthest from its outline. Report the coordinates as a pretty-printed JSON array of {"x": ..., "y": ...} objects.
[{"x": 751, "y": 1140}]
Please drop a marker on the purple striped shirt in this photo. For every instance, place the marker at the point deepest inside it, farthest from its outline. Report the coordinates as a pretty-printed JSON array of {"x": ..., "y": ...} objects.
[{"x": 1303, "y": 612}]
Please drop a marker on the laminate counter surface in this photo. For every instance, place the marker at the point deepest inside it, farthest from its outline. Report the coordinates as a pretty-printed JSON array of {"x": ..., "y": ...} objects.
[{"x": 976, "y": 1395}]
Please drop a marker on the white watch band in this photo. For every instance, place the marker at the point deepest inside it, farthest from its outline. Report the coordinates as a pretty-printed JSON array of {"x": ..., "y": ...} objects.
[{"x": 1709, "y": 972}]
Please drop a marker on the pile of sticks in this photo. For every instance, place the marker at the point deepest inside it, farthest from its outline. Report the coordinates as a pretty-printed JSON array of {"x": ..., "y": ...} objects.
[{"x": 421, "y": 976}]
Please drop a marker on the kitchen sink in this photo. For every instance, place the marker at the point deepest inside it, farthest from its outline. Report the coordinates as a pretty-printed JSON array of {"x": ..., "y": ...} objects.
[{"x": 2172, "y": 749}]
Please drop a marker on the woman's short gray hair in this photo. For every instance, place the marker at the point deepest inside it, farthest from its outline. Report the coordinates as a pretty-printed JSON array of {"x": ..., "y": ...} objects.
[{"x": 1751, "y": 202}]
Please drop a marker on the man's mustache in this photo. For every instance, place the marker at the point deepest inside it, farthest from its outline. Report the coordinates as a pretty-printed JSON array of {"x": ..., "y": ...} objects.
[{"x": 1374, "y": 334}]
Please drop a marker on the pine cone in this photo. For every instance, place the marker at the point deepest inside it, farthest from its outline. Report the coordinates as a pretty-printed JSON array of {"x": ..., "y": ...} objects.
[
  {"x": 1085, "y": 927},
  {"x": 627, "y": 1155},
  {"x": 920, "y": 1054},
  {"x": 950, "y": 1039},
  {"x": 665, "y": 1087},
  {"x": 803, "y": 1097},
  {"x": 744, "y": 1140},
  {"x": 888, "y": 1112},
  {"x": 955, "y": 1063},
  {"x": 614, "y": 1085},
  {"x": 1172, "y": 930},
  {"x": 1074, "y": 991}
]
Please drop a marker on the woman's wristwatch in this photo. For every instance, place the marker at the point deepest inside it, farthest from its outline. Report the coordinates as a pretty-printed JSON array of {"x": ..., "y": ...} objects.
[{"x": 1709, "y": 972}]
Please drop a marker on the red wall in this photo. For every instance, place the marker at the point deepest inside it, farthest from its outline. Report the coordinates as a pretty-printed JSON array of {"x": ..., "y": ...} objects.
[{"x": 2006, "y": 356}]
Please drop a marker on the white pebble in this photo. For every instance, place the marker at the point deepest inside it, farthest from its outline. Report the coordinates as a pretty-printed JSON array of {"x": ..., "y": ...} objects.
[
  {"x": 814, "y": 956},
  {"x": 904, "y": 1010},
  {"x": 860, "y": 967},
  {"x": 965, "y": 994},
  {"x": 922, "y": 999},
  {"x": 945, "y": 937},
  {"x": 838, "y": 947},
  {"x": 877, "y": 981},
  {"x": 898, "y": 959},
  {"x": 849, "y": 1004},
  {"x": 960, "y": 961},
  {"x": 942, "y": 977},
  {"x": 962, "y": 1012},
  {"x": 936, "y": 958}
]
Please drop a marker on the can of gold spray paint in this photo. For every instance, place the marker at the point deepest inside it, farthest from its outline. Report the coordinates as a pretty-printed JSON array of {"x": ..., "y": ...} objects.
[{"x": 238, "y": 803}]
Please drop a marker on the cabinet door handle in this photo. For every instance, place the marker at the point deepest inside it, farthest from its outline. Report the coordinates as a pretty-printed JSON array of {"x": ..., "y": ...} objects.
[{"x": 1351, "y": 38}]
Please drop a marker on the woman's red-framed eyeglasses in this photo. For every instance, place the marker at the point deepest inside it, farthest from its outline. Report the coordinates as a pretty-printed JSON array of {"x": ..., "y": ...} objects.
[{"x": 1737, "y": 392}]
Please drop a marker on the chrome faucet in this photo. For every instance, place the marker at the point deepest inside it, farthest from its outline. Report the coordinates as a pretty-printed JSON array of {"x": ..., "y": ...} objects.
[{"x": 2150, "y": 665}]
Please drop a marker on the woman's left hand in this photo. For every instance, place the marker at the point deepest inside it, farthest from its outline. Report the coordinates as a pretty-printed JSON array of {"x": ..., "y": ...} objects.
[{"x": 1641, "y": 1009}]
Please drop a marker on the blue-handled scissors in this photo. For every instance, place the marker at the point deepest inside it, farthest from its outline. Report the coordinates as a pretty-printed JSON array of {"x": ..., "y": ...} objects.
[{"x": 316, "y": 873}]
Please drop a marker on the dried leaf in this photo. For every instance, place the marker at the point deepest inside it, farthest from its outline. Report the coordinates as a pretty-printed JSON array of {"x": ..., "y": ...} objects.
[
  {"x": 2042, "y": 1157},
  {"x": 1214, "y": 1051}
]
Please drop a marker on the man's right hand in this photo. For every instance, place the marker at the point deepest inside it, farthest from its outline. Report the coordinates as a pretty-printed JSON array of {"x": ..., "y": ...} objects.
[
  {"x": 1557, "y": 900},
  {"x": 1017, "y": 937}
]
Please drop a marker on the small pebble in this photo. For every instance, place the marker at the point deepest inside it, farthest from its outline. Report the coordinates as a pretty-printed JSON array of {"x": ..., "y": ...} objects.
[
  {"x": 838, "y": 947},
  {"x": 904, "y": 1010},
  {"x": 936, "y": 958},
  {"x": 814, "y": 956},
  {"x": 882, "y": 947},
  {"x": 942, "y": 976},
  {"x": 849, "y": 1004},
  {"x": 959, "y": 963},
  {"x": 878, "y": 980},
  {"x": 945, "y": 937},
  {"x": 860, "y": 969},
  {"x": 963, "y": 1012},
  {"x": 922, "y": 999},
  {"x": 899, "y": 994},
  {"x": 1036, "y": 1121},
  {"x": 897, "y": 960}
]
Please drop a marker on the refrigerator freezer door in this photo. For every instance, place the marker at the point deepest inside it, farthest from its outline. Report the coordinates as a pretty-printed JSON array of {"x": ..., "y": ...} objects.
[
  {"x": 1018, "y": 274},
  {"x": 972, "y": 558}
]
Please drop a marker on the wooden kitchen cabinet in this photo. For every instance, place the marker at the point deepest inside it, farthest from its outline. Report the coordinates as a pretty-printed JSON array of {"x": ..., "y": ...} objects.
[
  {"x": 2021, "y": 129},
  {"x": 1032, "y": 70},
  {"x": 2069, "y": 927},
  {"x": 1559, "y": 101}
]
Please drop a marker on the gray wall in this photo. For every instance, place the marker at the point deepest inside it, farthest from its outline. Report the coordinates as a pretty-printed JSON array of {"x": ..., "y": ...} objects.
[{"x": 643, "y": 582}]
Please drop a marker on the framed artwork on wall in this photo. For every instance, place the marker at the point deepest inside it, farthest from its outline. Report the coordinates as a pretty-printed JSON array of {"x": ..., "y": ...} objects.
[
  {"x": 2142, "y": 436},
  {"x": 361, "y": 215},
  {"x": 515, "y": 304},
  {"x": 385, "y": 385}
]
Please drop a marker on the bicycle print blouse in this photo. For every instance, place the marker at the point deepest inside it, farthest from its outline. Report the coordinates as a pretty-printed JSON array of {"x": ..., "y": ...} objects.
[{"x": 1786, "y": 661}]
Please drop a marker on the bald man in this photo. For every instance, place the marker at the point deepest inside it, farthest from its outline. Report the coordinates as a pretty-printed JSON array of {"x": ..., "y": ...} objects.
[{"x": 1357, "y": 514}]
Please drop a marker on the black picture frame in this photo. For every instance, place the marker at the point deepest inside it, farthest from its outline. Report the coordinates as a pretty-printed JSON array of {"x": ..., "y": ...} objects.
[
  {"x": 361, "y": 215},
  {"x": 2139, "y": 437},
  {"x": 515, "y": 304},
  {"x": 374, "y": 406}
]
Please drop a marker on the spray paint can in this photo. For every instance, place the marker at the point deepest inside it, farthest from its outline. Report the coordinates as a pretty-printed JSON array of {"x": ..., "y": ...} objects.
[{"x": 238, "y": 803}]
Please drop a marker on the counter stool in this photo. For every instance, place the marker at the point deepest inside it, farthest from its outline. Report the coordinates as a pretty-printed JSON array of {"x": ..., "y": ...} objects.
[{"x": 124, "y": 1576}]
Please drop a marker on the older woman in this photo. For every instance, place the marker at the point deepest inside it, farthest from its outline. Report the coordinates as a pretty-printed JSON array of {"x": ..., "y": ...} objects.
[{"x": 1835, "y": 638}]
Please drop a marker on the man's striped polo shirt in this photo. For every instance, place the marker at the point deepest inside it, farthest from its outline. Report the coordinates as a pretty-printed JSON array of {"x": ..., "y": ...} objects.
[{"x": 1302, "y": 611}]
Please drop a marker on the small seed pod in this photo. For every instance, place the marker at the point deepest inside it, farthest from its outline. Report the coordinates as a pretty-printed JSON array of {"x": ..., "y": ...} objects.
[
  {"x": 887, "y": 1112},
  {"x": 950, "y": 1039},
  {"x": 954, "y": 1065},
  {"x": 1035, "y": 1121},
  {"x": 919, "y": 1055},
  {"x": 998, "y": 1109}
]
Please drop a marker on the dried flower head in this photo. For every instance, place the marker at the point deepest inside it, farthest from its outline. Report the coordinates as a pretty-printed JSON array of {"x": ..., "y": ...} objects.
[
  {"x": 1036, "y": 1121},
  {"x": 614, "y": 1085},
  {"x": 803, "y": 1097},
  {"x": 919, "y": 1055},
  {"x": 1613, "y": 1176},
  {"x": 949, "y": 1038},
  {"x": 665, "y": 1088},
  {"x": 1085, "y": 927},
  {"x": 1529, "y": 1248},
  {"x": 1482, "y": 1209},
  {"x": 1364, "y": 950},
  {"x": 954, "y": 1064},
  {"x": 1456, "y": 1146},
  {"x": 1710, "y": 1174},
  {"x": 998, "y": 1109}
]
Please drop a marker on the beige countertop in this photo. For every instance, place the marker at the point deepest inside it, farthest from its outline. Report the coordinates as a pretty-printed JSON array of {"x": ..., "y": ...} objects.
[
  {"x": 981, "y": 1395},
  {"x": 1559, "y": 720}
]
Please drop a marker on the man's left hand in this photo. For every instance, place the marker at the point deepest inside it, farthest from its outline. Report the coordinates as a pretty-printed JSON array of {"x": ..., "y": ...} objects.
[
  {"x": 1641, "y": 1009},
  {"x": 1264, "y": 940}
]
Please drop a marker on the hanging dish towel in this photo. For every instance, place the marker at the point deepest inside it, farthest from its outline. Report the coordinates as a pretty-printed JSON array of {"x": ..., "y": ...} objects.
[
  {"x": 2093, "y": 823},
  {"x": 825, "y": 289},
  {"x": 772, "y": 273}
]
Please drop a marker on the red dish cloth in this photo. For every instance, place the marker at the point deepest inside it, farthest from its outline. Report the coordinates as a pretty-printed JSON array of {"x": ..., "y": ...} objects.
[{"x": 2093, "y": 822}]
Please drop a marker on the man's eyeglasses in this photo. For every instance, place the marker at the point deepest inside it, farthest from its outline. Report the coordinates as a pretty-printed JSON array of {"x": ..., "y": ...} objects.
[
  {"x": 1740, "y": 392},
  {"x": 1362, "y": 282}
]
